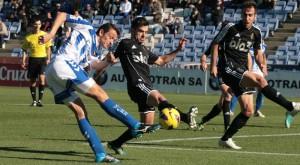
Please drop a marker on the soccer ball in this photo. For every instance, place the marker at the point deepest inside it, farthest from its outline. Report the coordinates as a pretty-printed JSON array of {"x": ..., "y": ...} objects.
[{"x": 169, "y": 118}]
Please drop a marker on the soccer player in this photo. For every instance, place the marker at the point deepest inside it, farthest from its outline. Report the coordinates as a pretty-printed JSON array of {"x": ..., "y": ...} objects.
[
  {"x": 38, "y": 60},
  {"x": 136, "y": 59},
  {"x": 259, "y": 97},
  {"x": 65, "y": 75},
  {"x": 235, "y": 40}
]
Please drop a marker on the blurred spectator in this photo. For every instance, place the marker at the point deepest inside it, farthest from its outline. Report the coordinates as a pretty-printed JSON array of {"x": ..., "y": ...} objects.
[
  {"x": 196, "y": 17},
  {"x": 13, "y": 15},
  {"x": 125, "y": 8},
  {"x": 137, "y": 8},
  {"x": 267, "y": 4},
  {"x": 87, "y": 13},
  {"x": 55, "y": 10},
  {"x": 23, "y": 17},
  {"x": 115, "y": 7},
  {"x": 156, "y": 10},
  {"x": 165, "y": 26},
  {"x": 48, "y": 21},
  {"x": 3, "y": 34},
  {"x": 146, "y": 8},
  {"x": 177, "y": 27},
  {"x": 217, "y": 12},
  {"x": 104, "y": 8}
]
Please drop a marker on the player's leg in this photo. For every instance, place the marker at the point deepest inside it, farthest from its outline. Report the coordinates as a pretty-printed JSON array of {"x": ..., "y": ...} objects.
[
  {"x": 246, "y": 104},
  {"x": 42, "y": 80},
  {"x": 258, "y": 105},
  {"x": 215, "y": 111},
  {"x": 253, "y": 80},
  {"x": 226, "y": 105},
  {"x": 33, "y": 75}
]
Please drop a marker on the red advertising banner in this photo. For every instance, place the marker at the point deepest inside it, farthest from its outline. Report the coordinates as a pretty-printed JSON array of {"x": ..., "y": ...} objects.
[{"x": 11, "y": 73}]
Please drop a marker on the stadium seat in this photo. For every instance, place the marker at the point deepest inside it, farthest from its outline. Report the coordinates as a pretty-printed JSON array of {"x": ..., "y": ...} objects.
[
  {"x": 16, "y": 52},
  {"x": 168, "y": 38},
  {"x": 168, "y": 10},
  {"x": 230, "y": 19},
  {"x": 238, "y": 14},
  {"x": 149, "y": 45},
  {"x": 261, "y": 13},
  {"x": 187, "y": 12},
  {"x": 108, "y": 19},
  {"x": 190, "y": 38},
  {"x": 282, "y": 59},
  {"x": 271, "y": 59},
  {"x": 280, "y": 5},
  {"x": 200, "y": 48},
  {"x": 149, "y": 19},
  {"x": 188, "y": 30},
  {"x": 262, "y": 22},
  {"x": 177, "y": 38},
  {"x": 118, "y": 19},
  {"x": 189, "y": 57},
  {"x": 120, "y": 27},
  {"x": 273, "y": 24},
  {"x": 15, "y": 28},
  {"x": 199, "y": 38},
  {"x": 97, "y": 20},
  {"x": 158, "y": 47},
  {"x": 228, "y": 13},
  {"x": 270, "y": 14},
  {"x": 291, "y": 41},
  {"x": 281, "y": 15},
  {"x": 292, "y": 51},
  {"x": 178, "y": 12},
  {"x": 158, "y": 53},
  {"x": 209, "y": 30},
  {"x": 149, "y": 39},
  {"x": 126, "y": 29},
  {"x": 179, "y": 57},
  {"x": 158, "y": 38},
  {"x": 8, "y": 25},
  {"x": 281, "y": 50},
  {"x": 293, "y": 60},
  {"x": 209, "y": 39},
  {"x": 189, "y": 47},
  {"x": 297, "y": 33},
  {"x": 291, "y": 7},
  {"x": 264, "y": 32},
  {"x": 168, "y": 47},
  {"x": 199, "y": 30}
]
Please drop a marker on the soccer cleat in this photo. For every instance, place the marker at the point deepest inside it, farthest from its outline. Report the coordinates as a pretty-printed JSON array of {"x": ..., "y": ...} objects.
[
  {"x": 192, "y": 117},
  {"x": 33, "y": 104},
  {"x": 118, "y": 150},
  {"x": 39, "y": 103},
  {"x": 201, "y": 125},
  {"x": 144, "y": 128},
  {"x": 259, "y": 114},
  {"x": 106, "y": 158},
  {"x": 231, "y": 113},
  {"x": 288, "y": 119},
  {"x": 228, "y": 144}
]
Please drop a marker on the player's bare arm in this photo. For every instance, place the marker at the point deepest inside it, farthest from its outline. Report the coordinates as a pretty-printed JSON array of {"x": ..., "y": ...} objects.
[
  {"x": 169, "y": 57},
  {"x": 259, "y": 60},
  {"x": 213, "y": 63},
  {"x": 203, "y": 65},
  {"x": 249, "y": 62}
]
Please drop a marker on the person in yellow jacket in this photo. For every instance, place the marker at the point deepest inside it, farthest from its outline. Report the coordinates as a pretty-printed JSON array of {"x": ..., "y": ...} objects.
[{"x": 39, "y": 57}]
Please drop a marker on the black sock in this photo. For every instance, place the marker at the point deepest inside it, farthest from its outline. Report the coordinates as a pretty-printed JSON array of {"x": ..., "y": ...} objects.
[
  {"x": 33, "y": 93},
  {"x": 215, "y": 111},
  {"x": 276, "y": 97},
  {"x": 226, "y": 113},
  {"x": 164, "y": 104},
  {"x": 239, "y": 122},
  {"x": 41, "y": 91},
  {"x": 126, "y": 136}
]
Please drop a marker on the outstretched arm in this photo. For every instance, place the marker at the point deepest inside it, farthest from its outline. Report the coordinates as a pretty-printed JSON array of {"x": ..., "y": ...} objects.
[{"x": 59, "y": 20}]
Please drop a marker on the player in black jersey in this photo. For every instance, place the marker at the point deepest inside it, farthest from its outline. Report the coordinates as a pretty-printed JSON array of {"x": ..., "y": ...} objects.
[
  {"x": 235, "y": 40},
  {"x": 135, "y": 59}
]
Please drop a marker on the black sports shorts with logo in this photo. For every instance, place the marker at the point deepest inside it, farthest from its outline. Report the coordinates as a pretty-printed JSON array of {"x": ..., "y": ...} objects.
[
  {"x": 139, "y": 94},
  {"x": 36, "y": 66}
]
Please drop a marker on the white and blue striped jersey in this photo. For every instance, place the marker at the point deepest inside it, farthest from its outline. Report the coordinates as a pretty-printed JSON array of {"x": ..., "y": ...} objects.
[
  {"x": 255, "y": 67},
  {"x": 81, "y": 44}
]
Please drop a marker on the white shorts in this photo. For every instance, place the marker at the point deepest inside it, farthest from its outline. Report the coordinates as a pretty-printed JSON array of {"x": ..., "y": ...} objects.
[{"x": 64, "y": 77}]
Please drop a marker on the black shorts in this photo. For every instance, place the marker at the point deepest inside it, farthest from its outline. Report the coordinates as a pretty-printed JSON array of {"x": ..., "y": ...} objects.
[
  {"x": 36, "y": 66},
  {"x": 139, "y": 94},
  {"x": 232, "y": 78}
]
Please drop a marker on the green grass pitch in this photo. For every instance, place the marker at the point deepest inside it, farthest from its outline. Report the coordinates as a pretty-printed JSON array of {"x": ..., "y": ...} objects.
[{"x": 50, "y": 135}]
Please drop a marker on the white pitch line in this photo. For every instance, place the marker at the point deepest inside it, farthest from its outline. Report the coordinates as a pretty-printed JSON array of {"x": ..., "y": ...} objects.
[
  {"x": 221, "y": 151},
  {"x": 208, "y": 138}
]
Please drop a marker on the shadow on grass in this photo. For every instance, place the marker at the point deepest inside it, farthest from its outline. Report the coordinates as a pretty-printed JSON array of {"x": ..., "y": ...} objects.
[{"x": 62, "y": 153}]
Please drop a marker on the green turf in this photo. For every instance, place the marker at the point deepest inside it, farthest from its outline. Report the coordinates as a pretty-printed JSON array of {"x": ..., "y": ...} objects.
[{"x": 50, "y": 135}]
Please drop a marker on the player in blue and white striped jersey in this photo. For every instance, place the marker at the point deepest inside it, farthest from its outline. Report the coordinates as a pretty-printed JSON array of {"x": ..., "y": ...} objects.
[{"x": 65, "y": 75}]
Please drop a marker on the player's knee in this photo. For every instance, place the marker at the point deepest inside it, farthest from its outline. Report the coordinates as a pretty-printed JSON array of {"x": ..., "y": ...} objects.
[{"x": 262, "y": 81}]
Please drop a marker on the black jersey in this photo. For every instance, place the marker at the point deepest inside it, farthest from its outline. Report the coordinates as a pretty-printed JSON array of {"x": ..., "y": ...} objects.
[
  {"x": 235, "y": 42},
  {"x": 135, "y": 59}
]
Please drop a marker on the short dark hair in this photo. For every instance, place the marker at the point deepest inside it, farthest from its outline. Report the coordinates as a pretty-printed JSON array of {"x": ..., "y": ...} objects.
[
  {"x": 108, "y": 26},
  {"x": 138, "y": 22},
  {"x": 249, "y": 4}
]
